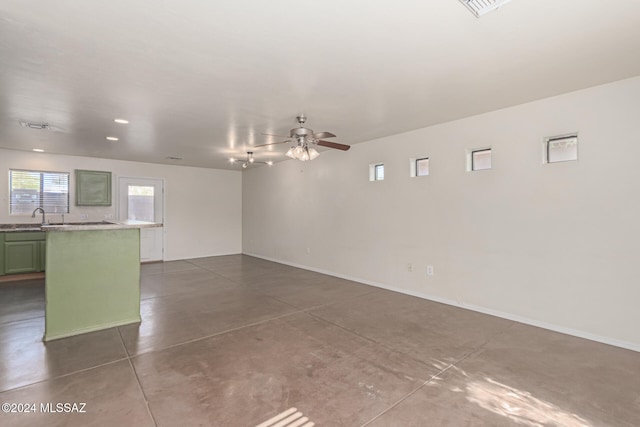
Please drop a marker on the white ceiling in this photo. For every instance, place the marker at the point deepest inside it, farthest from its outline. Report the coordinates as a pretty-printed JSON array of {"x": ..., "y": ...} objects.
[{"x": 203, "y": 79}]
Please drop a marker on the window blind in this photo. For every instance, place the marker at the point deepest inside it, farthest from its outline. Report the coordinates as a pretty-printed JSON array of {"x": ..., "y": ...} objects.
[{"x": 38, "y": 189}]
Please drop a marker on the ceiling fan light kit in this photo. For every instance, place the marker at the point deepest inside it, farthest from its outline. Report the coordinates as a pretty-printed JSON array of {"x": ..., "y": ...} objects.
[
  {"x": 302, "y": 153},
  {"x": 250, "y": 160},
  {"x": 303, "y": 137}
]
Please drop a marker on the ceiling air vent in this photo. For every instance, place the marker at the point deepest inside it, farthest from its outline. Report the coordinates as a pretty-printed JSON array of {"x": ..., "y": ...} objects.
[
  {"x": 35, "y": 125},
  {"x": 480, "y": 7}
]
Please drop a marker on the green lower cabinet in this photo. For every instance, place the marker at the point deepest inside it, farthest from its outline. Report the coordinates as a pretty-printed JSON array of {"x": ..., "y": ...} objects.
[
  {"x": 2, "y": 254},
  {"x": 22, "y": 252},
  {"x": 21, "y": 257},
  {"x": 42, "y": 255}
]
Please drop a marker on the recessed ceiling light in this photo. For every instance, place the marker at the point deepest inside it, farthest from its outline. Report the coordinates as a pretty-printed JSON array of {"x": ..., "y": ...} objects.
[
  {"x": 174, "y": 158},
  {"x": 38, "y": 150},
  {"x": 112, "y": 138},
  {"x": 121, "y": 121}
]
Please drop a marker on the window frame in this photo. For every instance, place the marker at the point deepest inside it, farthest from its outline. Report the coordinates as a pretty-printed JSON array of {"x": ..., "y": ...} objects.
[{"x": 42, "y": 183}]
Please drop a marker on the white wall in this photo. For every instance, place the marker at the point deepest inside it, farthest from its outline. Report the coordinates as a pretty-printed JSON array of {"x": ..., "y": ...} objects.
[
  {"x": 556, "y": 245},
  {"x": 202, "y": 206}
]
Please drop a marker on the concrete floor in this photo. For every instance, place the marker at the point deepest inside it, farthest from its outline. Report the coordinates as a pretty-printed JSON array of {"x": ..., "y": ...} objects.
[{"x": 235, "y": 341}]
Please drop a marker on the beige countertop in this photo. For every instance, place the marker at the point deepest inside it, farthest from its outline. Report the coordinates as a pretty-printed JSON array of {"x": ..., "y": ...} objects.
[{"x": 78, "y": 226}]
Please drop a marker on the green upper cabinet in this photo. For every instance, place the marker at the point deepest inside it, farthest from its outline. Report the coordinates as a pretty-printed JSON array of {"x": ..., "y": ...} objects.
[{"x": 93, "y": 188}]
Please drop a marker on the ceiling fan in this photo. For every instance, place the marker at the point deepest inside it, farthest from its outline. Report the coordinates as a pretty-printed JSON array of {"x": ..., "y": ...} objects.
[
  {"x": 303, "y": 137},
  {"x": 250, "y": 160}
]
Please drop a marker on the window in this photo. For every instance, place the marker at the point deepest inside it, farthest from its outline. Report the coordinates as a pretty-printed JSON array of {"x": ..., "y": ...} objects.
[
  {"x": 35, "y": 189},
  {"x": 561, "y": 148},
  {"x": 141, "y": 202},
  {"x": 481, "y": 159},
  {"x": 418, "y": 166},
  {"x": 376, "y": 172},
  {"x": 422, "y": 166}
]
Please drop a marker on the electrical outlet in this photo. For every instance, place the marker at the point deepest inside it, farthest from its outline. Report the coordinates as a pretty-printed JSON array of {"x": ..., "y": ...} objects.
[
  {"x": 409, "y": 267},
  {"x": 429, "y": 270},
  {"x": 308, "y": 250},
  {"x": 108, "y": 216},
  {"x": 84, "y": 216}
]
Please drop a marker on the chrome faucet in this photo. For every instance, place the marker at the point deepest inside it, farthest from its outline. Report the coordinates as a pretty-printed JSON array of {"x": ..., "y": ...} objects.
[{"x": 33, "y": 215}]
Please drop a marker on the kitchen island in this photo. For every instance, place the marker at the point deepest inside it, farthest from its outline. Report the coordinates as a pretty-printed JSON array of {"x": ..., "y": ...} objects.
[{"x": 92, "y": 277}]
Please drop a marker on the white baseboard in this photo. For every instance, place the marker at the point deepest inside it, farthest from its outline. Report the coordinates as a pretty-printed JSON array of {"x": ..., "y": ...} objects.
[
  {"x": 504, "y": 315},
  {"x": 168, "y": 259}
]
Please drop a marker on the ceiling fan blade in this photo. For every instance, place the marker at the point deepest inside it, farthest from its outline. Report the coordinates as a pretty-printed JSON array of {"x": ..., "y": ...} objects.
[
  {"x": 279, "y": 136},
  {"x": 321, "y": 135},
  {"x": 271, "y": 143},
  {"x": 343, "y": 147}
]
